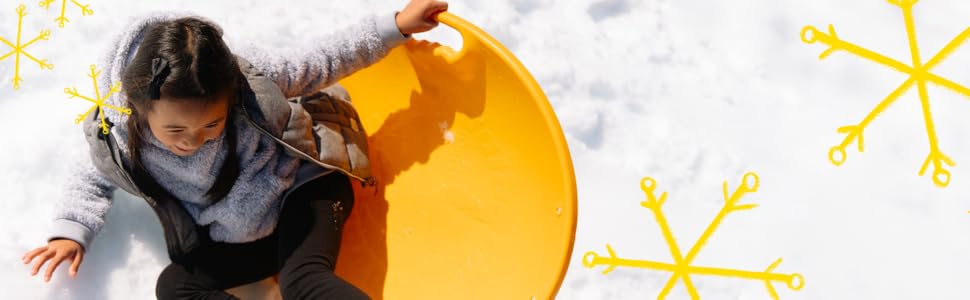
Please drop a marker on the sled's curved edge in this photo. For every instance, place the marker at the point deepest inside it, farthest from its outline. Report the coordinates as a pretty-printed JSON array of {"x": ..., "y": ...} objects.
[{"x": 472, "y": 33}]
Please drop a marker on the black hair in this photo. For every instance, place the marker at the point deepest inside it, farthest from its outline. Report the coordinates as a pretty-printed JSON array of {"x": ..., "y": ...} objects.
[{"x": 185, "y": 60}]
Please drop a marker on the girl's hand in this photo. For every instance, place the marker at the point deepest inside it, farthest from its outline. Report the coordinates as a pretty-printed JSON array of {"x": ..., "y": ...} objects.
[
  {"x": 56, "y": 251},
  {"x": 419, "y": 16}
]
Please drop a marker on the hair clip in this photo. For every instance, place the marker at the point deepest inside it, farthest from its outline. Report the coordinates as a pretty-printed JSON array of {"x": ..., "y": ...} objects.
[{"x": 160, "y": 71}]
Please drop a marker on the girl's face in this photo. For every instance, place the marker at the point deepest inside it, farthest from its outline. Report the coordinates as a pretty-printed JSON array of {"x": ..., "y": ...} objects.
[{"x": 183, "y": 126}]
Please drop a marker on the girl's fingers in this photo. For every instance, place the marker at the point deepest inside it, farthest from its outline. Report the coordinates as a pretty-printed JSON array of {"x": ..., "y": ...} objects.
[
  {"x": 42, "y": 258},
  {"x": 53, "y": 266},
  {"x": 32, "y": 253},
  {"x": 440, "y": 5},
  {"x": 76, "y": 263},
  {"x": 434, "y": 8},
  {"x": 433, "y": 11}
]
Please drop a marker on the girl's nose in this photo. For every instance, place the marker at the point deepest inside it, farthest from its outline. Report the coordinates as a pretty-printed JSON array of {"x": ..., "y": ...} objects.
[{"x": 195, "y": 142}]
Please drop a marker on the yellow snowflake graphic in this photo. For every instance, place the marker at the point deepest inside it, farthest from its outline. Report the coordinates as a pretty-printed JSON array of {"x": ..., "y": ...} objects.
[
  {"x": 682, "y": 268},
  {"x": 98, "y": 100},
  {"x": 61, "y": 20},
  {"x": 919, "y": 75},
  {"x": 19, "y": 48}
]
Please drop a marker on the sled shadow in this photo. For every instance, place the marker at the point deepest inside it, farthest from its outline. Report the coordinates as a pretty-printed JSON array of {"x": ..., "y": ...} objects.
[{"x": 406, "y": 138}]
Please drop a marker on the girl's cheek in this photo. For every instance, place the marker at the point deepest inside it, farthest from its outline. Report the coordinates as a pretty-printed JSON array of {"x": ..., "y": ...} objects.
[
  {"x": 215, "y": 132},
  {"x": 171, "y": 138}
]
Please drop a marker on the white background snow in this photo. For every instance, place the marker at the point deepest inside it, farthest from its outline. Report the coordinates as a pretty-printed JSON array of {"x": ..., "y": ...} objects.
[{"x": 689, "y": 92}]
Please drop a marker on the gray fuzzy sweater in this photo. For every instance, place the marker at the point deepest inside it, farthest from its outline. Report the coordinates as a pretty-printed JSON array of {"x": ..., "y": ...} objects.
[{"x": 250, "y": 210}]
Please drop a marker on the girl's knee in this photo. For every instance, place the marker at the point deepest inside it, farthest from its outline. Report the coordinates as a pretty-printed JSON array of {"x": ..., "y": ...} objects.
[
  {"x": 317, "y": 284},
  {"x": 168, "y": 281},
  {"x": 180, "y": 282}
]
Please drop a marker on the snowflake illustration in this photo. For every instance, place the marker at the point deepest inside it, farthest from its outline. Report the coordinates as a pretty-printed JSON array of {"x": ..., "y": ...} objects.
[
  {"x": 919, "y": 75},
  {"x": 19, "y": 49},
  {"x": 682, "y": 268},
  {"x": 61, "y": 20},
  {"x": 98, "y": 100}
]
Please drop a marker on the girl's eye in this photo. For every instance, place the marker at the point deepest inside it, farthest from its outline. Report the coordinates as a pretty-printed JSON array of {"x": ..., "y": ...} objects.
[
  {"x": 175, "y": 131},
  {"x": 213, "y": 125}
]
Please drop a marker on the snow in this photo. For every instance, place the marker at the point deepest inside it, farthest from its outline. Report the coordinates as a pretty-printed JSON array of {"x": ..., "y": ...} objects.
[{"x": 689, "y": 92}]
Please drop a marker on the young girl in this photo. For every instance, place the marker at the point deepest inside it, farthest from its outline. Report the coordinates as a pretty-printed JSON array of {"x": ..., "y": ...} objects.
[{"x": 243, "y": 183}]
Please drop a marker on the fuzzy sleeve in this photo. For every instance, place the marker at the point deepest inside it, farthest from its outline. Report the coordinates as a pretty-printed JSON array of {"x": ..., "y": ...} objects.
[
  {"x": 79, "y": 213},
  {"x": 327, "y": 59}
]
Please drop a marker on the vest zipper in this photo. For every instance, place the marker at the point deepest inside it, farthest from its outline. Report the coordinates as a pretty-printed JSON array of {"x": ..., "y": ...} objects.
[
  {"x": 115, "y": 155},
  {"x": 365, "y": 181}
]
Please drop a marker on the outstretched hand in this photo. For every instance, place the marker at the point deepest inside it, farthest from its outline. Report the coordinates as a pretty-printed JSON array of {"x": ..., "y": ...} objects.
[
  {"x": 419, "y": 16},
  {"x": 56, "y": 252}
]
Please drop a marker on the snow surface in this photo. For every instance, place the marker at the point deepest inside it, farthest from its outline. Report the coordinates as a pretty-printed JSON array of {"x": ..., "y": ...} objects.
[{"x": 689, "y": 92}]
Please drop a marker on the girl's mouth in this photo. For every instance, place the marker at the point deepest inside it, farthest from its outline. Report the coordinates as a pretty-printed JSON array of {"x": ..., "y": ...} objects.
[{"x": 183, "y": 150}]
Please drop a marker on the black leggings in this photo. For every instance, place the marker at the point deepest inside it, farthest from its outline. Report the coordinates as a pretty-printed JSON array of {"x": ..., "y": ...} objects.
[{"x": 302, "y": 250}]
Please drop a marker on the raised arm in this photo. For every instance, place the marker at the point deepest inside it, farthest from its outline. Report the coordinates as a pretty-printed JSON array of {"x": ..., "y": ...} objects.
[
  {"x": 332, "y": 57},
  {"x": 329, "y": 58}
]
